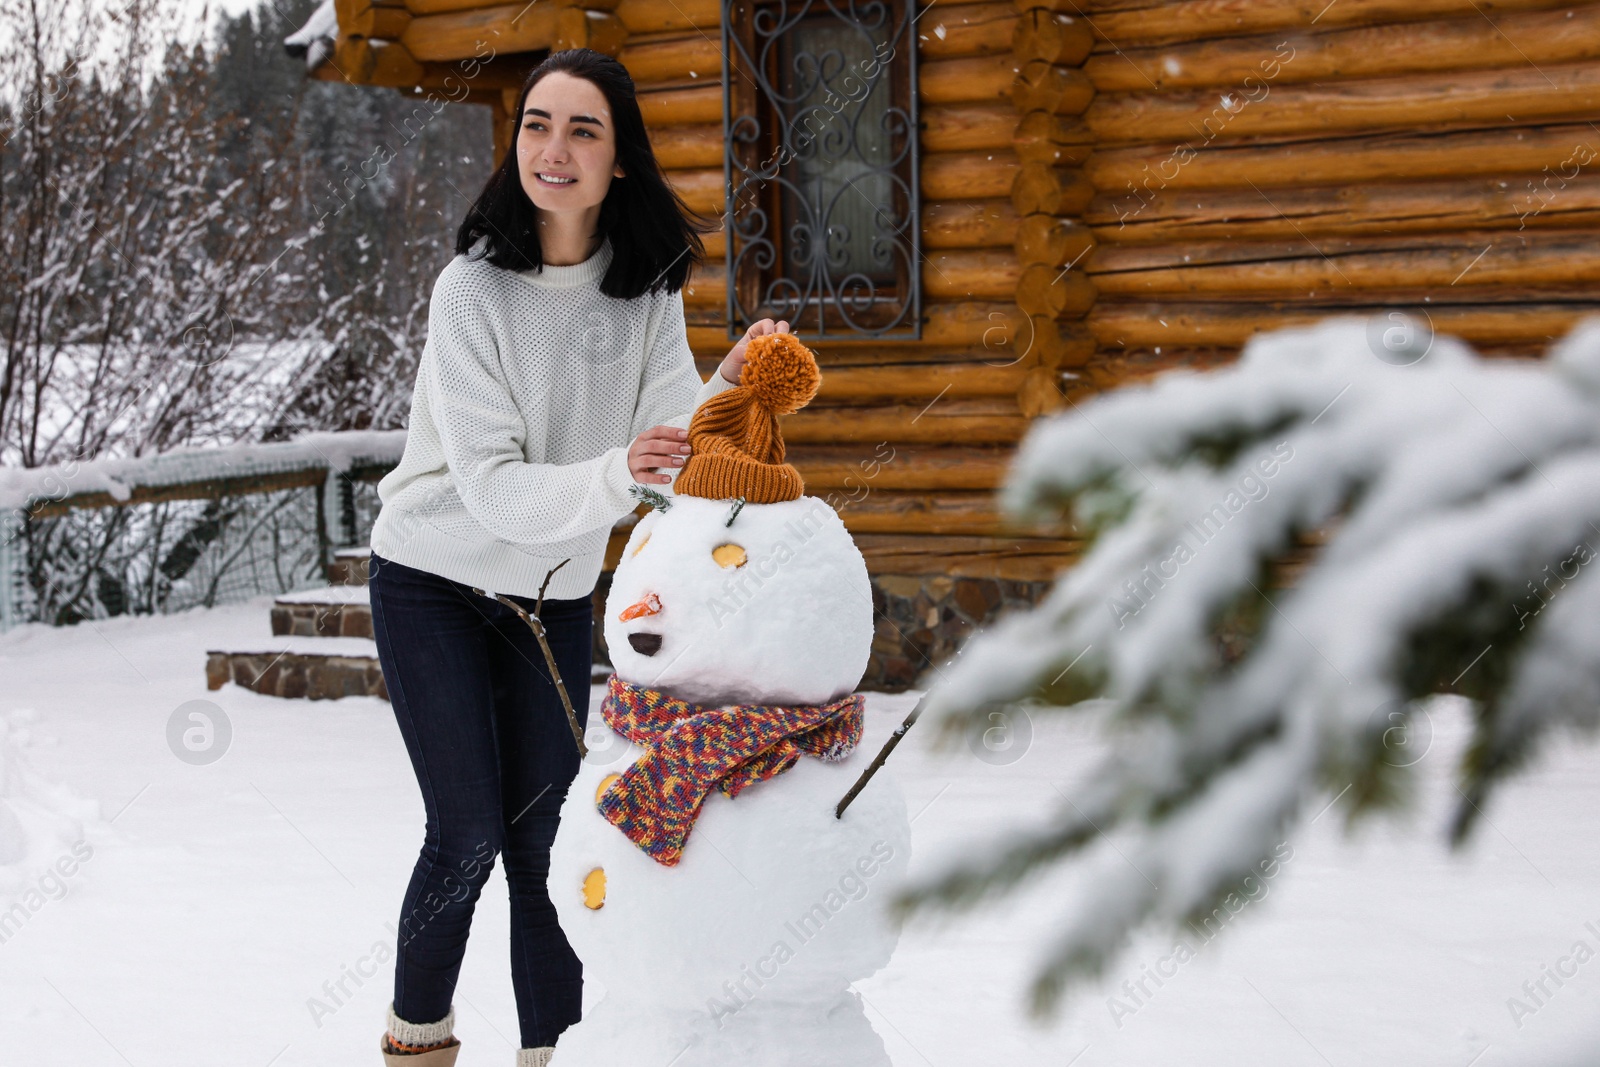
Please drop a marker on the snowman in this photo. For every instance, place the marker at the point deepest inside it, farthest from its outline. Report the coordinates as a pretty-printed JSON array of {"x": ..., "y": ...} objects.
[{"x": 700, "y": 872}]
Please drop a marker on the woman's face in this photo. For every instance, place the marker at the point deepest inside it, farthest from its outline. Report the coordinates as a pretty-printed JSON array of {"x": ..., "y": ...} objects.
[{"x": 566, "y": 146}]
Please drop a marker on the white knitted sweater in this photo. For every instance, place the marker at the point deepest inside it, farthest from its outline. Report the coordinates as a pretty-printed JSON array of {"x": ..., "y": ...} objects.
[{"x": 530, "y": 389}]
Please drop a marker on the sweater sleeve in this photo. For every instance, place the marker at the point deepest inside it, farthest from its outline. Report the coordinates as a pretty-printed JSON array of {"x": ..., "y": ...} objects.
[{"x": 481, "y": 433}]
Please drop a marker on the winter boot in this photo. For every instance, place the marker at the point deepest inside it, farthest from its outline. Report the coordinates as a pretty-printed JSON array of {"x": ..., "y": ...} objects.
[
  {"x": 535, "y": 1057},
  {"x": 409, "y": 1044}
]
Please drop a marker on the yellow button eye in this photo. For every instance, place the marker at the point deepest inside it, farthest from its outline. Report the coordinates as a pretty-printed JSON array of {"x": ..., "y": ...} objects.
[
  {"x": 729, "y": 555},
  {"x": 642, "y": 542},
  {"x": 605, "y": 783},
  {"x": 594, "y": 889}
]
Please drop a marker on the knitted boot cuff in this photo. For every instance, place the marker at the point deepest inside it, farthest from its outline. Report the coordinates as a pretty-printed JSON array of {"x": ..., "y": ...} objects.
[
  {"x": 408, "y": 1033},
  {"x": 535, "y": 1057}
]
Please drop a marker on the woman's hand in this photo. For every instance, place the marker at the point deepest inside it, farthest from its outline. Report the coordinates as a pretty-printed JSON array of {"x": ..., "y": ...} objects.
[
  {"x": 659, "y": 446},
  {"x": 733, "y": 364}
]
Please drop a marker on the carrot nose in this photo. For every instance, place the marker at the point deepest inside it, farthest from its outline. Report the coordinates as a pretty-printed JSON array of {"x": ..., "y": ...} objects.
[{"x": 650, "y": 605}]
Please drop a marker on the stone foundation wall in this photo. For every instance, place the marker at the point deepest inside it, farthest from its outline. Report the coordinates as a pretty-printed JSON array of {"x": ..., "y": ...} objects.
[
  {"x": 322, "y": 620},
  {"x": 920, "y": 621},
  {"x": 297, "y": 676}
]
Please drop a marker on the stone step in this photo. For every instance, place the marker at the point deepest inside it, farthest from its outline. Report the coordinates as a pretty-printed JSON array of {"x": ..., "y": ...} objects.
[
  {"x": 337, "y": 611},
  {"x": 323, "y": 668},
  {"x": 349, "y": 566}
]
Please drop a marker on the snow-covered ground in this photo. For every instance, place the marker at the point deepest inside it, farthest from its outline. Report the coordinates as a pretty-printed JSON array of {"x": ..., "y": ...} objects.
[{"x": 222, "y": 905}]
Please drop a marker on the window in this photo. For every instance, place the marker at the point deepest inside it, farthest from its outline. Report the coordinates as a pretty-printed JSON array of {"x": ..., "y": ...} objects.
[{"x": 820, "y": 121}]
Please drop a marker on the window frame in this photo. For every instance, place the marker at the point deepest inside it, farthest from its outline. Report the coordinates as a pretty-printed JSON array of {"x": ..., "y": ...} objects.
[{"x": 764, "y": 133}]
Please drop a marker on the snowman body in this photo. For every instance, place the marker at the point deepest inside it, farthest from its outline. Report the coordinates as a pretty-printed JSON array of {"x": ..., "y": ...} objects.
[{"x": 745, "y": 951}]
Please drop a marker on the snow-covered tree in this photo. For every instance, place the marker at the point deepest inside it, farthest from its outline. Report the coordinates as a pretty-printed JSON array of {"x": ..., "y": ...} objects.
[
  {"x": 1282, "y": 557},
  {"x": 199, "y": 245}
]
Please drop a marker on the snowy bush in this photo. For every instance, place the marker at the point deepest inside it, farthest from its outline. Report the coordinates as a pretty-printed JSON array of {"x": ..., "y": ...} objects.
[{"x": 1440, "y": 516}]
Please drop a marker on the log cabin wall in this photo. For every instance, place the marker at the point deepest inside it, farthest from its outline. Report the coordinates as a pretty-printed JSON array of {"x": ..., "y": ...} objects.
[{"x": 1269, "y": 162}]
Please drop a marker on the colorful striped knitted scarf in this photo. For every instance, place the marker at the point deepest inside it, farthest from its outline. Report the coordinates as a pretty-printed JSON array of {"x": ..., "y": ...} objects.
[{"x": 691, "y": 749}]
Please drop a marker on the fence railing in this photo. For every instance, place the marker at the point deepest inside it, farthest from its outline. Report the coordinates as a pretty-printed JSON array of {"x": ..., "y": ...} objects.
[{"x": 185, "y": 528}]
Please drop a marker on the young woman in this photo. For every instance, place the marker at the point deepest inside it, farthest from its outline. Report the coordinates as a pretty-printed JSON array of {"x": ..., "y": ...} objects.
[{"x": 556, "y": 375}]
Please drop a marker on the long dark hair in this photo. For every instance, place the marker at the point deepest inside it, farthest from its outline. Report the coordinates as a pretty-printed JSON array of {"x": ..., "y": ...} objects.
[{"x": 655, "y": 238}]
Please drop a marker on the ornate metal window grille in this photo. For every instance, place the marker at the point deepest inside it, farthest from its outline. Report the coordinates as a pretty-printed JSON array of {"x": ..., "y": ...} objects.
[{"x": 820, "y": 122}]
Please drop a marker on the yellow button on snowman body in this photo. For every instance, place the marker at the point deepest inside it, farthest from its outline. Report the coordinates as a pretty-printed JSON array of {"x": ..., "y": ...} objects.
[{"x": 745, "y": 951}]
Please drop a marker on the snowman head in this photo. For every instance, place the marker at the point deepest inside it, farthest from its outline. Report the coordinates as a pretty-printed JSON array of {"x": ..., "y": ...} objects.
[
  {"x": 775, "y": 608},
  {"x": 744, "y": 590}
]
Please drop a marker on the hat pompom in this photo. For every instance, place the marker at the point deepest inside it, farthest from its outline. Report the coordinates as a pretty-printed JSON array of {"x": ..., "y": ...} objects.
[{"x": 781, "y": 372}]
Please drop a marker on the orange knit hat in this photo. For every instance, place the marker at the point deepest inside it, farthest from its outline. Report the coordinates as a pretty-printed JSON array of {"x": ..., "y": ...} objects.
[{"x": 738, "y": 449}]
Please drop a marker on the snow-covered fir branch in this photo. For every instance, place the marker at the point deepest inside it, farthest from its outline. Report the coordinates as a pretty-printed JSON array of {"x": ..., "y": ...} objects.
[{"x": 1442, "y": 512}]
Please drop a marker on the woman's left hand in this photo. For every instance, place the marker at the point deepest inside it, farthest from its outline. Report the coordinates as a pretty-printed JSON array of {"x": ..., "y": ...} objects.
[{"x": 733, "y": 364}]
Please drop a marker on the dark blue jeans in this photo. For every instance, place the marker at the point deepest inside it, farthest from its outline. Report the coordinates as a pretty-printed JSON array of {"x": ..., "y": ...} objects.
[{"x": 494, "y": 755}]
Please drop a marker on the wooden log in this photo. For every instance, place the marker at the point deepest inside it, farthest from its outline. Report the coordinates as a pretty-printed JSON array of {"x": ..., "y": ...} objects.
[
  {"x": 968, "y": 224},
  {"x": 1041, "y": 86},
  {"x": 439, "y": 7},
  {"x": 1121, "y": 368},
  {"x": 682, "y": 107},
  {"x": 1467, "y": 43},
  {"x": 1051, "y": 241},
  {"x": 516, "y": 27},
  {"x": 716, "y": 245},
  {"x": 373, "y": 62},
  {"x": 997, "y": 333},
  {"x": 1337, "y": 300},
  {"x": 703, "y": 191},
  {"x": 649, "y": 16},
  {"x": 1196, "y": 20},
  {"x": 503, "y": 125},
  {"x": 708, "y": 340},
  {"x": 591, "y": 28},
  {"x": 905, "y": 468},
  {"x": 1042, "y": 137},
  {"x": 1006, "y": 335},
  {"x": 1419, "y": 100},
  {"x": 1049, "y": 37},
  {"x": 988, "y": 327},
  {"x": 1384, "y": 157},
  {"x": 965, "y": 30},
  {"x": 684, "y": 55},
  {"x": 154, "y": 494},
  {"x": 969, "y": 175},
  {"x": 686, "y": 147},
  {"x": 1012, "y": 558},
  {"x": 1563, "y": 197},
  {"x": 1037, "y": 137},
  {"x": 363, "y": 18},
  {"x": 971, "y": 274},
  {"x": 707, "y": 286},
  {"x": 1044, "y": 391},
  {"x": 1459, "y": 261},
  {"x": 1054, "y": 292},
  {"x": 964, "y": 422},
  {"x": 500, "y": 73},
  {"x": 950, "y": 512},
  {"x": 972, "y": 79},
  {"x": 967, "y": 127},
  {"x": 1171, "y": 325},
  {"x": 1050, "y": 190},
  {"x": 903, "y": 382}
]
